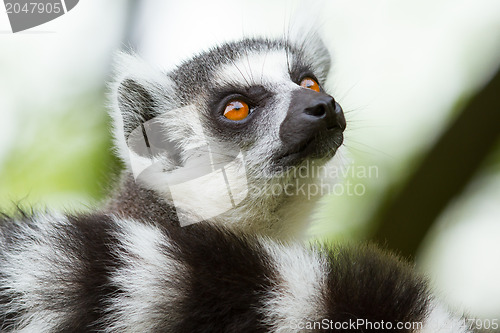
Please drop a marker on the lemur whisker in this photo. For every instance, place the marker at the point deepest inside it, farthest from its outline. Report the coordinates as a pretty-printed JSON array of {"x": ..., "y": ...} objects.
[
  {"x": 239, "y": 70},
  {"x": 249, "y": 66},
  {"x": 370, "y": 149},
  {"x": 286, "y": 37},
  {"x": 262, "y": 69}
]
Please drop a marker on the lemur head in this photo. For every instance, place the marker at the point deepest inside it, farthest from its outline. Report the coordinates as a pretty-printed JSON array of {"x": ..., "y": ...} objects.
[{"x": 228, "y": 125}]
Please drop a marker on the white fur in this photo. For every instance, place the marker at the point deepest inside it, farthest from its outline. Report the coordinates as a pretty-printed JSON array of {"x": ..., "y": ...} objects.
[
  {"x": 36, "y": 267},
  {"x": 147, "y": 279},
  {"x": 440, "y": 320},
  {"x": 257, "y": 68},
  {"x": 302, "y": 283}
]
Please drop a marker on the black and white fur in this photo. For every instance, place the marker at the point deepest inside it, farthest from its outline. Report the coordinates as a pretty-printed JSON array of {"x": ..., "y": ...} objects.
[
  {"x": 105, "y": 273},
  {"x": 130, "y": 267}
]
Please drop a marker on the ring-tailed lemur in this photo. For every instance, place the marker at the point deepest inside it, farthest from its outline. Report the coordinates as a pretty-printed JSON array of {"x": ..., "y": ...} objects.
[{"x": 131, "y": 266}]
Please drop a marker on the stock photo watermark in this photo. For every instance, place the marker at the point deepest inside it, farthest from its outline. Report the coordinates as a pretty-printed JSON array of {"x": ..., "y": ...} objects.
[
  {"x": 26, "y": 14},
  {"x": 361, "y": 324},
  {"x": 311, "y": 179},
  {"x": 355, "y": 325}
]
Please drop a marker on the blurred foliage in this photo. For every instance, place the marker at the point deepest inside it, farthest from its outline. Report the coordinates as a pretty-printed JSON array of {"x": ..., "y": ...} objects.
[{"x": 62, "y": 158}]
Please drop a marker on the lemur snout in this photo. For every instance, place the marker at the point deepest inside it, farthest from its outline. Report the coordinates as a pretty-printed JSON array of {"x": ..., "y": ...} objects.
[
  {"x": 311, "y": 114},
  {"x": 326, "y": 109}
]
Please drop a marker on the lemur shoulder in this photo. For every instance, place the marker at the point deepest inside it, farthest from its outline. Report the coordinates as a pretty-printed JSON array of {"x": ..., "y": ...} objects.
[{"x": 157, "y": 260}]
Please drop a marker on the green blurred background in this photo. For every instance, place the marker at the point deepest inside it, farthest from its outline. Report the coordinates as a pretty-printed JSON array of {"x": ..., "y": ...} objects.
[{"x": 417, "y": 80}]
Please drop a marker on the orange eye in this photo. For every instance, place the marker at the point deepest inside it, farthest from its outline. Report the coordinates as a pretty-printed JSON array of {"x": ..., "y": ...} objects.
[
  {"x": 309, "y": 83},
  {"x": 236, "y": 110}
]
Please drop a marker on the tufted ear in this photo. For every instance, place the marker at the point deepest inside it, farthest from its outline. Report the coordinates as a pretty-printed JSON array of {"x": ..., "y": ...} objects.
[
  {"x": 139, "y": 93},
  {"x": 135, "y": 103},
  {"x": 309, "y": 38}
]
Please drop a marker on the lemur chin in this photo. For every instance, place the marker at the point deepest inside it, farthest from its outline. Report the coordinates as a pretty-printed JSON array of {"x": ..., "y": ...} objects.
[{"x": 194, "y": 238}]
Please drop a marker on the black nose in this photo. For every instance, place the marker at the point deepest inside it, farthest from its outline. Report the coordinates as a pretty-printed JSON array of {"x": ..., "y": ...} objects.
[
  {"x": 309, "y": 114},
  {"x": 324, "y": 108}
]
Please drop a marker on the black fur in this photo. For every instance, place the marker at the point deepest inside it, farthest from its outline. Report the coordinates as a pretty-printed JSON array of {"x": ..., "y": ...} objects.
[
  {"x": 93, "y": 235},
  {"x": 364, "y": 282},
  {"x": 227, "y": 279},
  {"x": 228, "y": 276}
]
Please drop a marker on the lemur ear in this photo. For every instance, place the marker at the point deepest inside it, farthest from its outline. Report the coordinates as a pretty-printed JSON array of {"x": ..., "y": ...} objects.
[
  {"x": 309, "y": 37},
  {"x": 139, "y": 93},
  {"x": 136, "y": 104},
  {"x": 316, "y": 53}
]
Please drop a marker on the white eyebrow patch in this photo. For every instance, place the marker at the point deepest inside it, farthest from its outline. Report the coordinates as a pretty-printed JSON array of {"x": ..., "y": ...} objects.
[{"x": 256, "y": 68}]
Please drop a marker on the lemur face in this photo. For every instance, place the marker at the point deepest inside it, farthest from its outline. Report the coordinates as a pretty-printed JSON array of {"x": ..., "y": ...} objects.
[
  {"x": 263, "y": 98},
  {"x": 266, "y": 99},
  {"x": 260, "y": 100}
]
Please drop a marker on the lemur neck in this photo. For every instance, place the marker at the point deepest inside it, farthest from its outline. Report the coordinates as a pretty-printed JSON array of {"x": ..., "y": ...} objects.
[
  {"x": 135, "y": 201},
  {"x": 286, "y": 219},
  {"x": 281, "y": 218}
]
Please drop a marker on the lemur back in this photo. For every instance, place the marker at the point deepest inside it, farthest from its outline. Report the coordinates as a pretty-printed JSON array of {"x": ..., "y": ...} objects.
[{"x": 156, "y": 258}]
